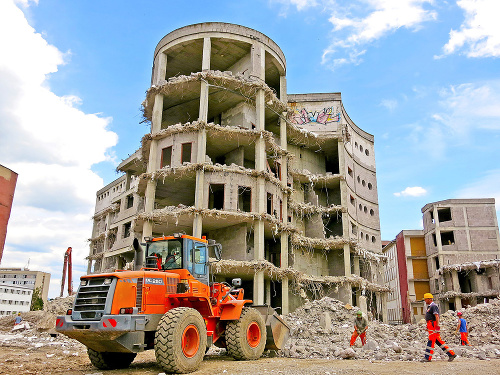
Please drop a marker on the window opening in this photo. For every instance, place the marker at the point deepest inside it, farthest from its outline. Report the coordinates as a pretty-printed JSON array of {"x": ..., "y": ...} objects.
[
  {"x": 436, "y": 262},
  {"x": 166, "y": 157},
  {"x": 244, "y": 198},
  {"x": 216, "y": 196},
  {"x": 186, "y": 153},
  {"x": 269, "y": 203},
  {"x": 126, "y": 229},
  {"x": 447, "y": 238},
  {"x": 130, "y": 201},
  {"x": 444, "y": 214}
]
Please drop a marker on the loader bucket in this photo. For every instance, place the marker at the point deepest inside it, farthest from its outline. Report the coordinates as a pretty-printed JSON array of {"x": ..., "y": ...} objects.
[{"x": 276, "y": 329}]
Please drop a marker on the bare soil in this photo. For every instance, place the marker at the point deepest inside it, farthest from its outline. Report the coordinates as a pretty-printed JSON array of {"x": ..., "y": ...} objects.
[{"x": 57, "y": 359}]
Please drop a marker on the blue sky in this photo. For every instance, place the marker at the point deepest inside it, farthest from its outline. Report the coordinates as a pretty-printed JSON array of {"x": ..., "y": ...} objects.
[{"x": 422, "y": 76}]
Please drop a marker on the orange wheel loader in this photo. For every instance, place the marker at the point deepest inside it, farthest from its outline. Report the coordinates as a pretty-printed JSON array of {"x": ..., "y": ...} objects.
[{"x": 170, "y": 306}]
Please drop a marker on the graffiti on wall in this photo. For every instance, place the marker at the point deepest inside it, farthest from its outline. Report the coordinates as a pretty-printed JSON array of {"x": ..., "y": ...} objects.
[{"x": 324, "y": 117}]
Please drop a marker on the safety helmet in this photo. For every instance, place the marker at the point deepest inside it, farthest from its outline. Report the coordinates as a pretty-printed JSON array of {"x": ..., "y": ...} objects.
[
  {"x": 459, "y": 313},
  {"x": 428, "y": 295},
  {"x": 359, "y": 313}
]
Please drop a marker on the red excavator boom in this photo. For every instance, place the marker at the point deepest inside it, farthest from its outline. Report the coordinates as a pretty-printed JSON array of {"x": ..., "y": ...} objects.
[{"x": 69, "y": 267}]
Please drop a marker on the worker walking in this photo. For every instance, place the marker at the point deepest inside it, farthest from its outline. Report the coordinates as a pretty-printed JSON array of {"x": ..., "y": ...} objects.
[
  {"x": 360, "y": 327},
  {"x": 462, "y": 327},
  {"x": 432, "y": 318}
]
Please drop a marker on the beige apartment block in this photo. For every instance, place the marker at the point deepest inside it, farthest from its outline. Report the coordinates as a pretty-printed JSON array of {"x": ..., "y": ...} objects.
[
  {"x": 285, "y": 182},
  {"x": 22, "y": 277},
  {"x": 463, "y": 250}
]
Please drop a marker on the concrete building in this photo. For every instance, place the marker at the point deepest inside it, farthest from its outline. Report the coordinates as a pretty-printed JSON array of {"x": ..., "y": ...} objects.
[
  {"x": 27, "y": 279},
  {"x": 14, "y": 299},
  {"x": 407, "y": 276},
  {"x": 455, "y": 257},
  {"x": 463, "y": 250},
  {"x": 286, "y": 183},
  {"x": 8, "y": 181}
]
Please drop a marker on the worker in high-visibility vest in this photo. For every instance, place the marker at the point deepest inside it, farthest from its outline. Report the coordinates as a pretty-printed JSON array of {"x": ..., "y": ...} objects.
[{"x": 432, "y": 318}]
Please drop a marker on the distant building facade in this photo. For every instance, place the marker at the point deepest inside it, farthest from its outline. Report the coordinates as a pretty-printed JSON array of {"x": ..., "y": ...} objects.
[
  {"x": 463, "y": 251},
  {"x": 8, "y": 181},
  {"x": 14, "y": 299},
  {"x": 24, "y": 278},
  {"x": 456, "y": 257}
]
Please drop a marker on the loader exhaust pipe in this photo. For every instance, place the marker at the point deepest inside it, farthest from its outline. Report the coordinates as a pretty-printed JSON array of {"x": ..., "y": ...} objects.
[{"x": 139, "y": 255}]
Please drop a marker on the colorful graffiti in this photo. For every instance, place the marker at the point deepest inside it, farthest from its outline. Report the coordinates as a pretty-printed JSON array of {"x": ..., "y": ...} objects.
[{"x": 326, "y": 116}]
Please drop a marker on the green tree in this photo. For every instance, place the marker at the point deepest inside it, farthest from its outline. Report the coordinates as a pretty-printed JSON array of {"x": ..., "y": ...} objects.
[{"x": 36, "y": 300}]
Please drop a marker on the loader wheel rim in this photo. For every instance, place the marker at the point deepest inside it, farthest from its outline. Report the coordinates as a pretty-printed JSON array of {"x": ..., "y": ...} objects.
[
  {"x": 253, "y": 335},
  {"x": 190, "y": 341}
]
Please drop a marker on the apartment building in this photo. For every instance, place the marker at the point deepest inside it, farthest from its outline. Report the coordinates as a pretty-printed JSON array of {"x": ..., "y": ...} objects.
[
  {"x": 14, "y": 299},
  {"x": 456, "y": 257},
  {"x": 24, "y": 278},
  {"x": 285, "y": 182},
  {"x": 463, "y": 251},
  {"x": 407, "y": 275},
  {"x": 8, "y": 180}
]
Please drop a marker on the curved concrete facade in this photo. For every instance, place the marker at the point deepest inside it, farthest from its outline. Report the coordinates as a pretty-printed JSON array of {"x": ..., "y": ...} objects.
[{"x": 233, "y": 157}]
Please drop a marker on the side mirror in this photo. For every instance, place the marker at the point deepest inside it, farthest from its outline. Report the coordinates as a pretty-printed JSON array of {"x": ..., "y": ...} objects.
[
  {"x": 218, "y": 251},
  {"x": 236, "y": 282}
]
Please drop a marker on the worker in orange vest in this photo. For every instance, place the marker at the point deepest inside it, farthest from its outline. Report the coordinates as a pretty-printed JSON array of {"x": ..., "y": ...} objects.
[{"x": 432, "y": 318}]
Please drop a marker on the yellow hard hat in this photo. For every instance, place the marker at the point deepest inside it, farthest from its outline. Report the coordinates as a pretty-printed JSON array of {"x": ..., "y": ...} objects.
[{"x": 428, "y": 295}]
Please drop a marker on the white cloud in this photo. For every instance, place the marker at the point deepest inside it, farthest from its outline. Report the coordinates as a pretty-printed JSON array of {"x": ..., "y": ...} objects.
[
  {"x": 470, "y": 106},
  {"x": 479, "y": 34},
  {"x": 52, "y": 145},
  {"x": 374, "y": 19},
  {"x": 486, "y": 187},
  {"x": 415, "y": 191},
  {"x": 390, "y": 104}
]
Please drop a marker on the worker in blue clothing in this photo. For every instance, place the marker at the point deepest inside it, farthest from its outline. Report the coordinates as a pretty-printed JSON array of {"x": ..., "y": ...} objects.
[{"x": 462, "y": 328}]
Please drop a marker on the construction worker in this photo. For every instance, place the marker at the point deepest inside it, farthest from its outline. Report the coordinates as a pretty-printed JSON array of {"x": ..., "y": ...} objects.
[
  {"x": 18, "y": 319},
  {"x": 432, "y": 318},
  {"x": 360, "y": 327},
  {"x": 462, "y": 327}
]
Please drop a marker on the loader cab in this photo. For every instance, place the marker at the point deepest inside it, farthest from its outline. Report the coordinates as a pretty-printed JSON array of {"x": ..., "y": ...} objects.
[{"x": 179, "y": 252}]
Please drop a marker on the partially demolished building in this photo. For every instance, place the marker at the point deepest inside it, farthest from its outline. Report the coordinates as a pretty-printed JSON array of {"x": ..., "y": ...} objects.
[
  {"x": 463, "y": 249},
  {"x": 456, "y": 257},
  {"x": 286, "y": 183}
]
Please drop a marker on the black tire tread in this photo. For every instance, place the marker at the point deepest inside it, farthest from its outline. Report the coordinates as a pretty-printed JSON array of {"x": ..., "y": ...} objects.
[
  {"x": 110, "y": 360},
  {"x": 236, "y": 341},
  {"x": 165, "y": 348}
]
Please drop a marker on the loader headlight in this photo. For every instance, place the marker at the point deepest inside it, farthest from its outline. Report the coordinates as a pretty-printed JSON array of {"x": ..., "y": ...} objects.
[
  {"x": 107, "y": 281},
  {"x": 83, "y": 282}
]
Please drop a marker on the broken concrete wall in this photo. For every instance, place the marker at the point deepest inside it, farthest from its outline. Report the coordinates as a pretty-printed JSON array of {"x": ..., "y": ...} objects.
[
  {"x": 176, "y": 141},
  {"x": 305, "y": 159},
  {"x": 242, "y": 114},
  {"x": 234, "y": 242}
]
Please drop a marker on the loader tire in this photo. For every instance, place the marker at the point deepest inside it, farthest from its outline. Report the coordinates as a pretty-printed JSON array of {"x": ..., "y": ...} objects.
[
  {"x": 246, "y": 337},
  {"x": 109, "y": 360},
  {"x": 180, "y": 340}
]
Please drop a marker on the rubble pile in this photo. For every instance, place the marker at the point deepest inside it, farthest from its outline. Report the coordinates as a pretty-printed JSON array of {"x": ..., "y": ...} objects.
[{"x": 323, "y": 328}]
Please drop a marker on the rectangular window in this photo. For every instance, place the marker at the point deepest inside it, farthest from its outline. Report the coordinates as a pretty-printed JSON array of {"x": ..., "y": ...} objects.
[
  {"x": 166, "y": 157},
  {"x": 126, "y": 230},
  {"x": 447, "y": 238},
  {"x": 444, "y": 214},
  {"x": 436, "y": 262},
  {"x": 130, "y": 201},
  {"x": 281, "y": 210},
  {"x": 244, "y": 198},
  {"x": 349, "y": 171},
  {"x": 431, "y": 213},
  {"x": 186, "y": 153},
  {"x": 269, "y": 203},
  {"x": 434, "y": 240},
  {"x": 278, "y": 170},
  {"x": 216, "y": 196}
]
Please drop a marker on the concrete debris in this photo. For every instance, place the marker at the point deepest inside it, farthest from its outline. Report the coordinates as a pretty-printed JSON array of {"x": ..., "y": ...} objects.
[{"x": 311, "y": 338}]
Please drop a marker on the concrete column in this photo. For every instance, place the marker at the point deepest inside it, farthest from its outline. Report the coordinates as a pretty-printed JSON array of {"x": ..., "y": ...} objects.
[
  {"x": 199, "y": 197},
  {"x": 258, "y": 66},
  {"x": 267, "y": 284},
  {"x": 149, "y": 195},
  {"x": 384, "y": 307},
  {"x": 161, "y": 67},
  {"x": 284, "y": 180},
  {"x": 357, "y": 270},
  {"x": 207, "y": 50},
  {"x": 362, "y": 305}
]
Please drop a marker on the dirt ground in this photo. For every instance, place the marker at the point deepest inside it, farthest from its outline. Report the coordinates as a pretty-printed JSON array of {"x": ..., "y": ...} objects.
[{"x": 17, "y": 358}]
